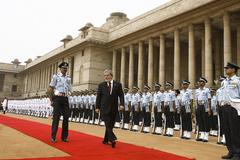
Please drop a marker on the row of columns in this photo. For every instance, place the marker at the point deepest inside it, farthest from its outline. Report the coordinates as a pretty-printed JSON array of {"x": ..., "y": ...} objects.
[
  {"x": 39, "y": 80},
  {"x": 207, "y": 56}
]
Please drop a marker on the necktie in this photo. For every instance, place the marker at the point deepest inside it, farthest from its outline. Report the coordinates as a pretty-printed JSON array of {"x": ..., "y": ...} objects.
[{"x": 109, "y": 87}]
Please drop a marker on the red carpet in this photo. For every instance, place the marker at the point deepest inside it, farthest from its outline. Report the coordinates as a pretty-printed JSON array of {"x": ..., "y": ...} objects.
[{"x": 86, "y": 147}]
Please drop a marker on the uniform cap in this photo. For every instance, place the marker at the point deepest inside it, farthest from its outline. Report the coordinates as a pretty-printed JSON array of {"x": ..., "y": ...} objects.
[
  {"x": 232, "y": 65},
  {"x": 135, "y": 87},
  {"x": 157, "y": 85},
  {"x": 146, "y": 86},
  {"x": 185, "y": 82},
  {"x": 221, "y": 78},
  {"x": 213, "y": 90},
  {"x": 168, "y": 84},
  {"x": 202, "y": 79},
  {"x": 63, "y": 65}
]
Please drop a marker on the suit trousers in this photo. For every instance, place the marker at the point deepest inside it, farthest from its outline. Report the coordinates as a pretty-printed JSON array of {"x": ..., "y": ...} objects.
[{"x": 109, "y": 120}]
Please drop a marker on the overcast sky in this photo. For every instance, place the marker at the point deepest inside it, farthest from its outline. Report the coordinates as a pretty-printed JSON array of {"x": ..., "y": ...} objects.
[{"x": 31, "y": 28}]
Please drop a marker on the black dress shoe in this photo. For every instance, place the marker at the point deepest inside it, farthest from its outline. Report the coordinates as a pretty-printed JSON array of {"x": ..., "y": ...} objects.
[
  {"x": 53, "y": 140},
  {"x": 65, "y": 140},
  {"x": 105, "y": 142},
  {"x": 228, "y": 156},
  {"x": 198, "y": 139},
  {"x": 236, "y": 157},
  {"x": 113, "y": 144}
]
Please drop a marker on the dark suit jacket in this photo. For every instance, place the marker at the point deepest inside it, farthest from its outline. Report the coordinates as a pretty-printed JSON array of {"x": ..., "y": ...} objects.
[{"x": 106, "y": 102}]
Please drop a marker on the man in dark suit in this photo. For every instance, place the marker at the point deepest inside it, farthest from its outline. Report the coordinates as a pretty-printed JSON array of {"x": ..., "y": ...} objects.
[{"x": 107, "y": 103}]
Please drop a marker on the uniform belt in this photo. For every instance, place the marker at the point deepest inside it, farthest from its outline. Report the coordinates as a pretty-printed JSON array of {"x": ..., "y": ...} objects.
[{"x": 61, "y": 94}]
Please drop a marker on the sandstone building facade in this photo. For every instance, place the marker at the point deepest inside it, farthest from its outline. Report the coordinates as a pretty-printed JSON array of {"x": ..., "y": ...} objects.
[
  {"x": 11, "y": 81},
  {"x": 182, "y": 39}
]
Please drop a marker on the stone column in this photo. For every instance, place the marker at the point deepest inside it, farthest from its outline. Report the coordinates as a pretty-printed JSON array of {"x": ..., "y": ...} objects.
[
  {"x": 176, "y": 59},
  {"x": 123, "y": 63},
  {"x": 162, "y": 60},
  {"x": 150, "y": 62},
  {"x": 114, "y": 64},
  {"x": 191, "y": 56},
  {"x": 208, "y": 53},
  {"x": 238, "y": 47},
  {"x": 227, "y": 38},
  {"x": 203, "y": 54},
  {"x": 217, "y": 56},
  {"x": 131, "y": 67},
  {"x": 140, "y": 65}
]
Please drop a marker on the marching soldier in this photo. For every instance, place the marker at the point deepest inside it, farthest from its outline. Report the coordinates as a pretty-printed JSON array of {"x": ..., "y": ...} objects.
[
  {"x": 126, "y": 113},
  {"x": 157, "y": 109},
  {"x": 169, "y": 107},
  {"x": 60, "y": 86},
  {"x": 186, "y": 107},
  {"x": 203, "y": 98},
  {"x": 231, "y": 116}
]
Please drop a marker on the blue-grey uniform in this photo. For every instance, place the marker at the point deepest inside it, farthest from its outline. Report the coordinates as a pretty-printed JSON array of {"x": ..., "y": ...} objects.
[
  {"x": 62, "y": 87},
  {"x": 186, "y": 114},
  {"x": 70, "y": 99},
  {"x": 231, "y": 118},
  {"x": 86, "y": 108},
  {"x": 169, "y": 99},
  {"x": 126, "y": 113},
  {"x": 177, "y": 110},
  {"x": 220, "y": 104},
  {"x": 92, "y": 101},
  {"x": 157, "y": 104},
  {"x": 202, "y": 96},
  {"x": 75, "y": 109},
  {"x": 146, "y": 102},
  {"x": 135, "y": 102},
  {"x": 213, "y": 117}
]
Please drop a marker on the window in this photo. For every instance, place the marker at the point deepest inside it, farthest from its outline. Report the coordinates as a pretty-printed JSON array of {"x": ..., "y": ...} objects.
[
  {"x": 82, "y": 52},
  {"x": 2, "y": 77},
  {"x": 14, "y": 88},
  {"x": 15, "y": 75}
]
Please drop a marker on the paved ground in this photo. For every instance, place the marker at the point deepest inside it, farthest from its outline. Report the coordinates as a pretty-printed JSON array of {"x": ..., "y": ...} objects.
[{"x": 21, "y": 144}]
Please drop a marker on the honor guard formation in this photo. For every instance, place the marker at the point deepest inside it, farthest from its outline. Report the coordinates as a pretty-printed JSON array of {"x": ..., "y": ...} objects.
[{"x": 201, "y": 111}]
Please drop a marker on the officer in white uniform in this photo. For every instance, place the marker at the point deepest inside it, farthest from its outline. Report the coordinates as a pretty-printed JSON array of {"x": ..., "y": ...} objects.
[
  {"x": 169, "y": 108},
  {"x": 157, "y": 109},
  {"x": 220, "y": 104},
  {"x": 135, "y": 108},
  {"x": 213, "y": 116},
  {"x": 186, "y": 108},
  {"x": 4, "y": 105},
  {"x": 203, "y": 99},
  {"x": 146, "y": 105},
  {"x": 231, "y": 116},
  {"x": 126, "y": 113},
  {"x": 92, "y": 101},
  {"x": 177, "y": 110}
]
